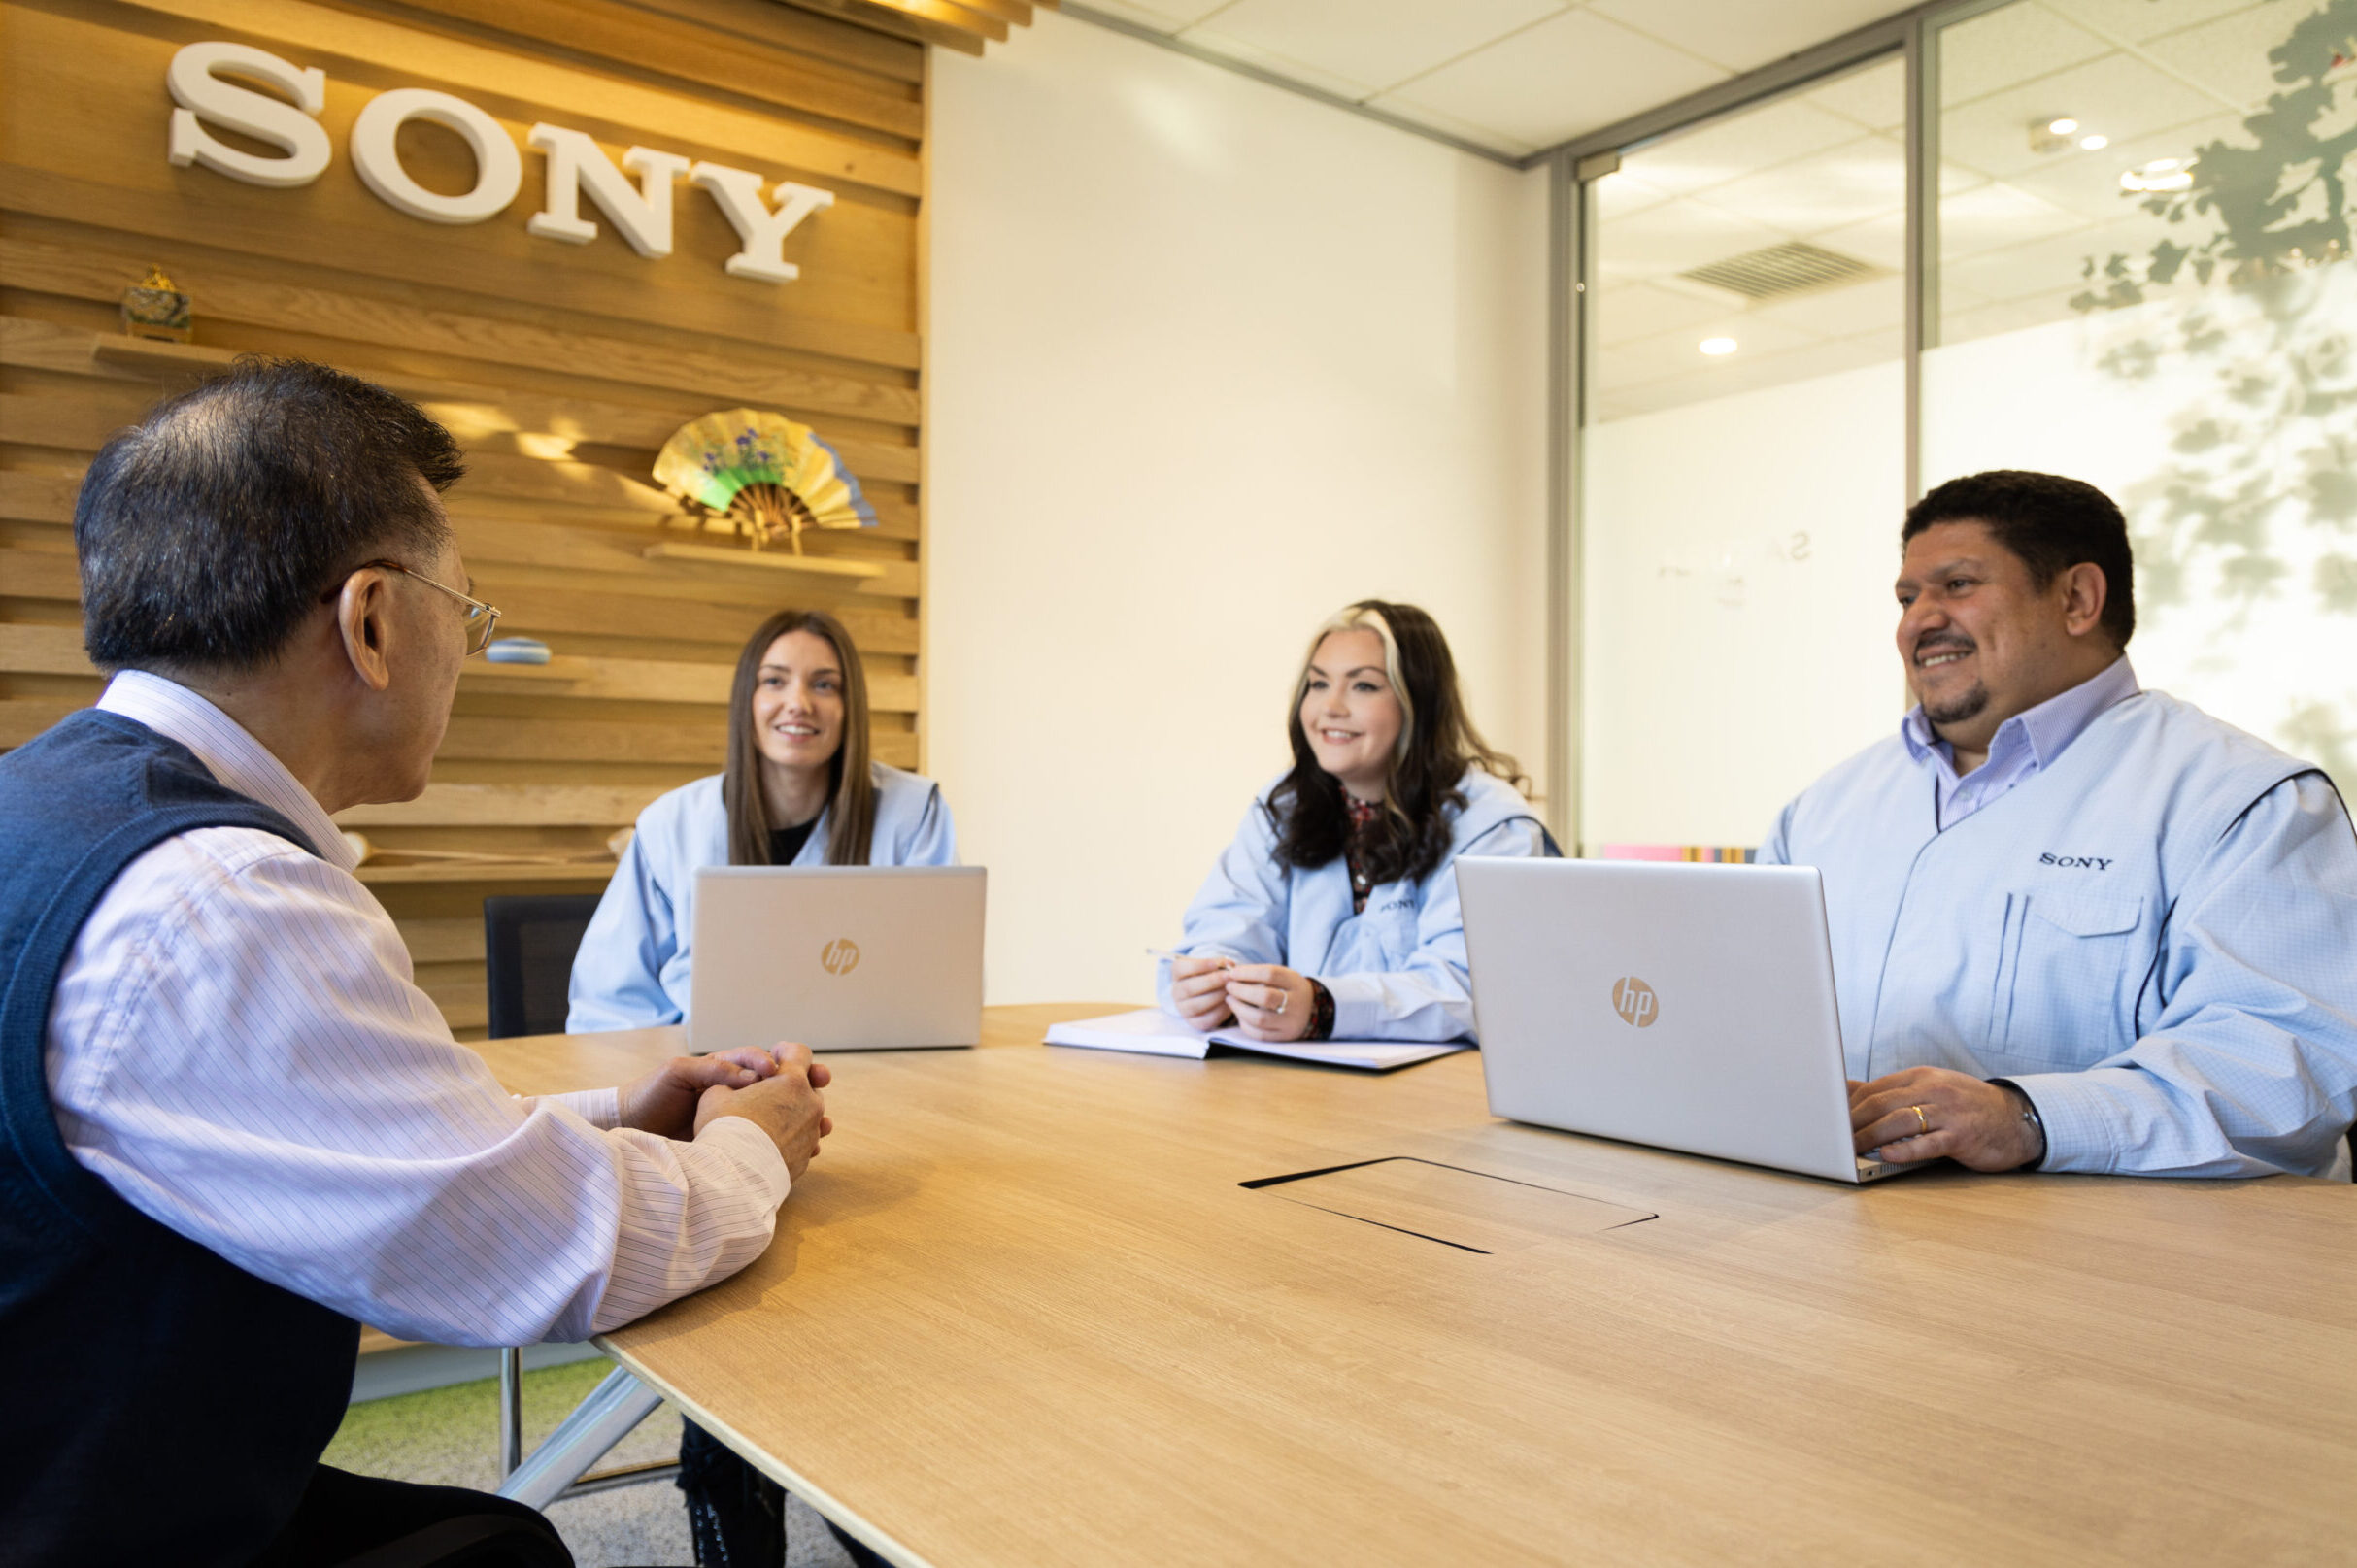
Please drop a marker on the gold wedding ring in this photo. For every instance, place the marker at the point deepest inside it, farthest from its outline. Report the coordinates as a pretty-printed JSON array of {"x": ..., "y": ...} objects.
[{"x": 1920, "y": 1120}]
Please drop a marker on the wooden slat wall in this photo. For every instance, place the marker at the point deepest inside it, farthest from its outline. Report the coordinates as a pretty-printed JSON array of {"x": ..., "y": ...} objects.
[{"x": 562, "y": 368}]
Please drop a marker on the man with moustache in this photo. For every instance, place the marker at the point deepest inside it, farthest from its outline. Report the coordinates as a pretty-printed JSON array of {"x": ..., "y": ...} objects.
[{"x": 2076, "y": 926}]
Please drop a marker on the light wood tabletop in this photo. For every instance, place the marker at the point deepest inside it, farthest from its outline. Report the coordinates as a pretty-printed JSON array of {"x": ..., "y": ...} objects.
[{"x": 1024, "y": 1311}]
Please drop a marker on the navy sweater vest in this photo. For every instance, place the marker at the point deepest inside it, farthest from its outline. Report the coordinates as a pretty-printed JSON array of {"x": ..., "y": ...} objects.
[{"x": 163, "y": 1404}]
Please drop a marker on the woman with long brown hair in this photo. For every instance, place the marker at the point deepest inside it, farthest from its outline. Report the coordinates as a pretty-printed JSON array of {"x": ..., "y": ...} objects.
[
  {"x": 801, "y": 788},
  {"x": 1334, "y": 915}
]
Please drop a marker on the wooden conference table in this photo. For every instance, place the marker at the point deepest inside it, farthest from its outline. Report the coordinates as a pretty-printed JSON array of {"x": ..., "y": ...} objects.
[{"x": 1025, "y": 1310}]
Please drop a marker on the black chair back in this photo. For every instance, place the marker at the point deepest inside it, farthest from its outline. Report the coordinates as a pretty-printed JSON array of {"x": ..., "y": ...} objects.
[{"x": 528, "y": 950}]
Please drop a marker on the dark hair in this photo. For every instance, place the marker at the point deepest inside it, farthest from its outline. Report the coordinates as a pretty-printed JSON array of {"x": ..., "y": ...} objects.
[
  {"x": 208, "y": 530},
  {"x": 1437, "y": 743},
  {"x": 851, "y": 791},
  {"x": 2051, "y": 522}
]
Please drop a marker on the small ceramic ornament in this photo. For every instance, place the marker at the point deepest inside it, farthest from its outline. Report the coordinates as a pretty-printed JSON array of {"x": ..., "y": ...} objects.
[{"x": 153, "y": 307}]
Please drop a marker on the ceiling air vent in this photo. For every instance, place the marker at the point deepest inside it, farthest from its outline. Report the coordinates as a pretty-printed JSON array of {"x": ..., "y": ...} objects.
[{"x": 1795, "y": 267}]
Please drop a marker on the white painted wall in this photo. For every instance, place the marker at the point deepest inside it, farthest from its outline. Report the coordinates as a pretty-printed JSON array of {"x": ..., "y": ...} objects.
[{"x": 1207, "y": 362}]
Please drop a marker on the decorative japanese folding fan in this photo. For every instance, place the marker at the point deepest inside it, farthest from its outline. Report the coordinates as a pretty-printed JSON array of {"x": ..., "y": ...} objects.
[{"x": 761, "y": 474}]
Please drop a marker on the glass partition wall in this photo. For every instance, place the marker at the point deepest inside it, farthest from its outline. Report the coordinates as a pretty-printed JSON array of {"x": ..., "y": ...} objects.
[
  {"x": 1745, "y": 438},
  {"x": 2134, "y": 269},
  {"x": 2155, "y": 294}
]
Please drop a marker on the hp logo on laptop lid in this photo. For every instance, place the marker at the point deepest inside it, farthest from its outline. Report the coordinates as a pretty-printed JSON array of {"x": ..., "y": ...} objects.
[
  {"x": 1633, "y": 1000},
  {"x": 840, "y": 956}
]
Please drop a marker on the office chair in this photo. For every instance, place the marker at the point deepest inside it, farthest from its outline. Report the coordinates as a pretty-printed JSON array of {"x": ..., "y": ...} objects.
[
  {"x": 529, "y": 944},
  {"x": 527, "y": 953}
]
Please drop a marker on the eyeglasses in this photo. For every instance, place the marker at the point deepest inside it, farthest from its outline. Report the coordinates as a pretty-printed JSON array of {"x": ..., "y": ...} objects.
[{"x": 480, "y": 617}]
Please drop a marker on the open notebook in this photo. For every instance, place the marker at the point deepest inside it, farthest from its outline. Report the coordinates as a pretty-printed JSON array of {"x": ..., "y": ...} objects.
[{"x": 1156, "y": 1033}]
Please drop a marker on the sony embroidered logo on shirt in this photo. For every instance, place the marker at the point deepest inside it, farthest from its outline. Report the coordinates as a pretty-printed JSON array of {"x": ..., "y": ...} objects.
[{"x": 2075, "y": 862}]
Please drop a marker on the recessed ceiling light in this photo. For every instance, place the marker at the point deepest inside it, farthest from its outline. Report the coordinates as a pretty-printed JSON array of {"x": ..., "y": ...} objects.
[
  {"x": 2161, "y": 174},
  {"x": 2049, "y": 135},
  {"x": 2094, "y": 144},
  {"x": 1718, "y": 346}
]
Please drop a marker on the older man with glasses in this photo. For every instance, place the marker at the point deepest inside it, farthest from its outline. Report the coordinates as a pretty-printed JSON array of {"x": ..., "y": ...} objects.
[{"x": 231, "y": 1125}]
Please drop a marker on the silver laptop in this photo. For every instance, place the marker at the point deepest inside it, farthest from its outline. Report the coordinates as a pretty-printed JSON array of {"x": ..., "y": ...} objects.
[
  {"x": 841, "y": 957},
  {"x": 1685, "y": 1006}
]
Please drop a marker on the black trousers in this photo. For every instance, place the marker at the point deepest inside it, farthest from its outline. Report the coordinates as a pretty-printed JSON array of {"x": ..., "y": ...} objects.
[
  {"x": 364, "y": 1522},
  {"x": 738, "y": 1513}
]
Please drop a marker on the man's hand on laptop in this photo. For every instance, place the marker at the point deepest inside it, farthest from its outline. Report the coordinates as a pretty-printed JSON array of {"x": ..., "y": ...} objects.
[
  {"x": 665, "y": 1101},
  {"x": 786, "y": 1104},
  {"x": 1932, "y": 1113}
]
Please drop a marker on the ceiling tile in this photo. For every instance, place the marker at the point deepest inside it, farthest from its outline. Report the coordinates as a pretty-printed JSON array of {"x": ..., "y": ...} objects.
[
  {"x": 1680, "y": 352},
  {"x": 1219, "y": 42},
  {"x": 1875, "y": 96},
  {"x": 1378, "y": 41},
  {"x": 1627, "y": 312},
  {"x": 1829, "y": 190},
  {"x": 1995, "y": 215},
  {"x": 2117, "y": 96},
  {"x": 1746, "y": 34},
  {"x": 1489, "y": 136},
  {"x": 2136, "y": 21},
  {"x": 1876, "y": 305},
  {"x": 1620, "y": 193},
  {"x": 1880, "y": 241},
  {"x": 1738, "y": 145},
  {"x": 1674, "y": 237},
  {"x": 1574, "y": 73},
  {"x": 2006, "y": 47},
  {"x": 2229, "y": 55}
]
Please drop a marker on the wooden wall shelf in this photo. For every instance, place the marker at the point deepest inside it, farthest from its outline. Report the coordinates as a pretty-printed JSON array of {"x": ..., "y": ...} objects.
[
  {"x": 560, "y": 671},
  {"x": 766, "y": 560},
  {"x": 594, "y": 872},
  {"x": 156, "y": 357}
]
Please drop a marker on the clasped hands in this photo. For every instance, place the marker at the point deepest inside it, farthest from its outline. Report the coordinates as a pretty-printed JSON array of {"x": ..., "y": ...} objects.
[
  {"x": 777, "y": 1090},
  {"x": 1266, "y": 1001},
  {"x": 1934, "y": 1113}
]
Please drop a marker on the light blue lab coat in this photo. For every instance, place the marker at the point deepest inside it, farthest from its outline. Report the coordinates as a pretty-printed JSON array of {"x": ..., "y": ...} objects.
[
  {"x": 632, "y": 970},
  {"x": 2155, "y": 935},
  {"x": 1397, "y": 972}
]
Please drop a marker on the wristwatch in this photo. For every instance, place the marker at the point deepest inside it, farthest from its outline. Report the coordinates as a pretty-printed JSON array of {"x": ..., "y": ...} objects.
[{"x": 2029, "y": 1114}]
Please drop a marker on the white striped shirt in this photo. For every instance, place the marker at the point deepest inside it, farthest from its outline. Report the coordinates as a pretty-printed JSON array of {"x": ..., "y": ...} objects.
[{"x": 236, "y": 1048}]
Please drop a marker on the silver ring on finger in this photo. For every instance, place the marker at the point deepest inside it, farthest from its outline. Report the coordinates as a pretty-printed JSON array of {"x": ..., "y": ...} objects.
[{"x": 1282, "y": 998}]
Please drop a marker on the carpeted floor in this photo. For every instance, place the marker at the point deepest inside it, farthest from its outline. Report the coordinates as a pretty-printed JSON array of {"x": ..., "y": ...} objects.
[{"x": 451, "y": 1436}]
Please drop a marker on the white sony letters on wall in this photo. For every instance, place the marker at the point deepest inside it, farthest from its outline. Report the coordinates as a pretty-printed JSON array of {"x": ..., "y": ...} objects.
[{"x": 640, "y": 213}]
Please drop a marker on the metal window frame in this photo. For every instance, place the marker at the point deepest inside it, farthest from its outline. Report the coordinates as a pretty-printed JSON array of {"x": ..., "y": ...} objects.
[{"x": 1911, "y": 35}]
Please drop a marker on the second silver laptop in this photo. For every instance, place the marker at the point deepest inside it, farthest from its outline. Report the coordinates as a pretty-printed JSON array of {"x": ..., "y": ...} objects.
[
  {"x": 839, "y": 957},
  {"x": 1690, "y": 1007}
]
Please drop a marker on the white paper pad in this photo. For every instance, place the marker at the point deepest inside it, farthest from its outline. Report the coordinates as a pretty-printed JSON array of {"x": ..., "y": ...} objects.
[{"x": 1155, "y": 1033}]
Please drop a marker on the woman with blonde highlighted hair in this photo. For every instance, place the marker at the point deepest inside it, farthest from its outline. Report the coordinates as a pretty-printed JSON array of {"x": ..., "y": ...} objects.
[
  {"x": 1334, "y": 913},
  {"x": 801, "y": 789}
]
